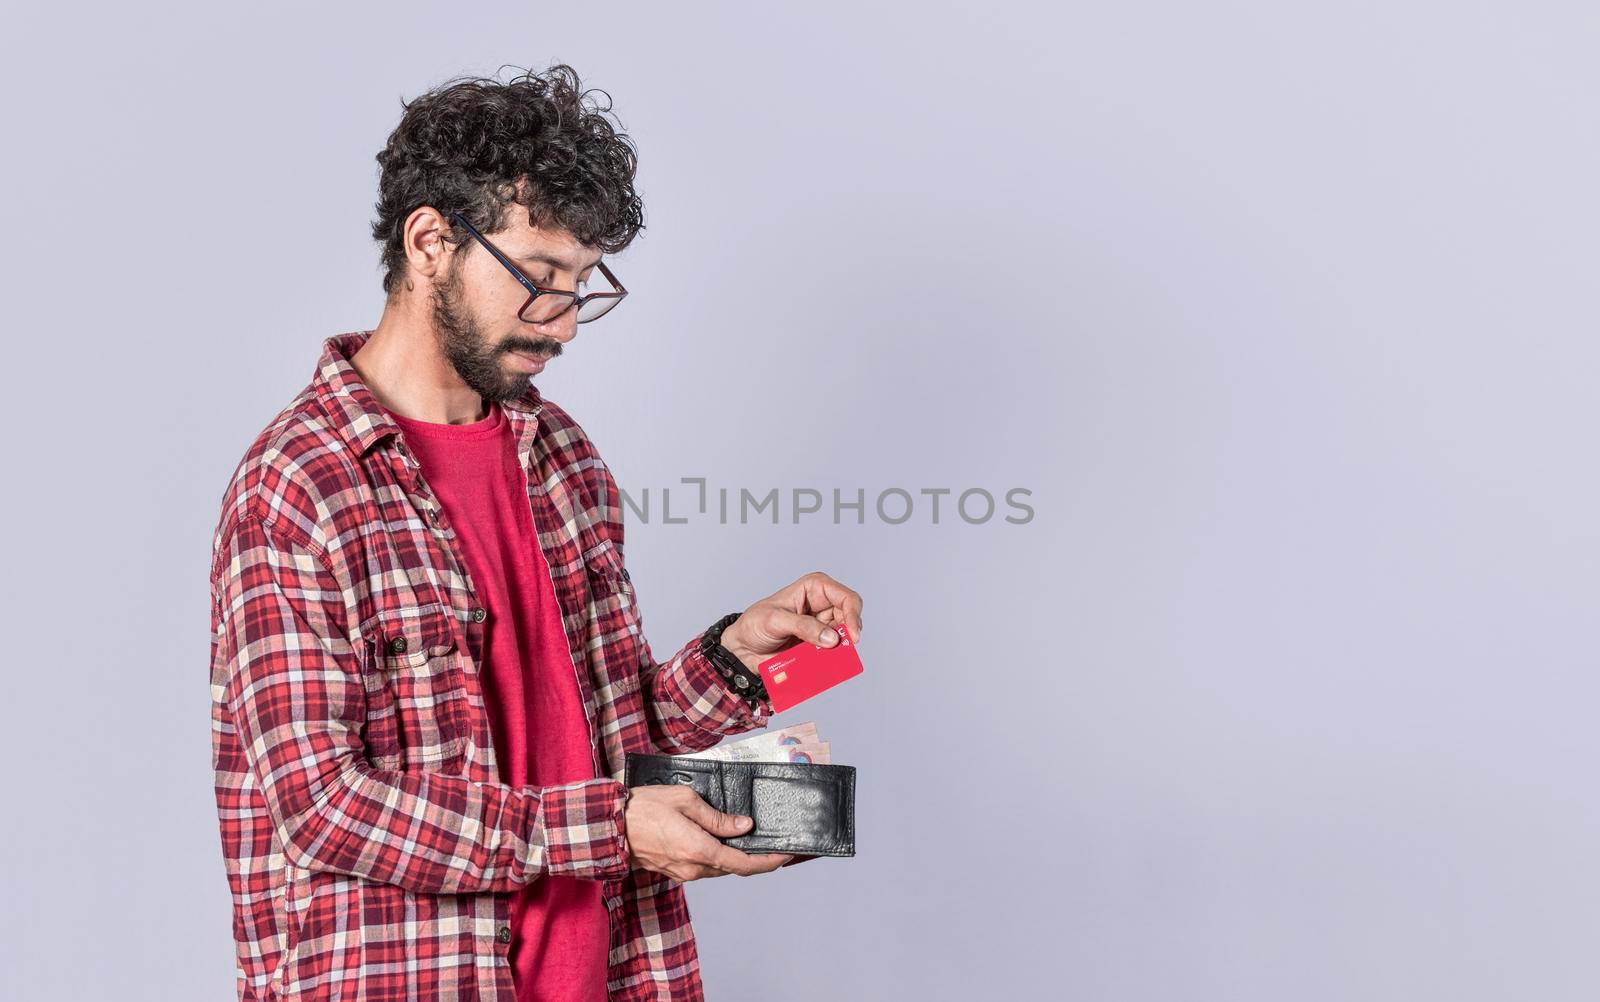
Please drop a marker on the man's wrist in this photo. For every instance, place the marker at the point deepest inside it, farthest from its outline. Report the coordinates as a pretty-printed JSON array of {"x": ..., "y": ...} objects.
[{"x": 739, "y": 677}]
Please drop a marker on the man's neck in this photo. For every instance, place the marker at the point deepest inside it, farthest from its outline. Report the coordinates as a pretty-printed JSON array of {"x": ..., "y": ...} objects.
[{"x": 403, "y": 367}]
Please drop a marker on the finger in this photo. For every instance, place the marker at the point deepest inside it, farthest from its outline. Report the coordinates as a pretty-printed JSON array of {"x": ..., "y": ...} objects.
[
  {"x": 715, "y": 822},
  {"x": 808, "y": 593},
  {"x": 808, "y": 628},
  {"x": 833, "y": 616},
  {"x": 769, "y": 861},
  {"x": 847, "y": 615},
  {"x": 849, "y": 606},
  {"x": 823, "y": 591},
  {"x": 726, "y": 857}
]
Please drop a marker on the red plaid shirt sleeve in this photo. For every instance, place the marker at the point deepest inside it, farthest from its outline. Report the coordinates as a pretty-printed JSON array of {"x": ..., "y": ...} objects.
[
  {"x": 691, "y": 705},
  {"x": 294, "y": 692}
]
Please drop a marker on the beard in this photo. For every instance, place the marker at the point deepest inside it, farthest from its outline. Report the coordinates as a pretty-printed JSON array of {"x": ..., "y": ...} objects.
[{"x": 480, "y": 364}]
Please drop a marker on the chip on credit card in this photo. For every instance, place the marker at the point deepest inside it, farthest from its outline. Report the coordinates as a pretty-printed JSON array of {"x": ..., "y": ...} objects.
[{"x": 802, "y": 670}]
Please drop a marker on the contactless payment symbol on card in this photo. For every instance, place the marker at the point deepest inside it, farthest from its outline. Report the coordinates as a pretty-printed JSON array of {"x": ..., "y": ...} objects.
[{"x": 796, "y": 673}]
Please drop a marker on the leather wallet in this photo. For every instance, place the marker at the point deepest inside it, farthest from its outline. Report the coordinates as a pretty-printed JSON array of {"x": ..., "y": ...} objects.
[{"x": 806, "y": 809}]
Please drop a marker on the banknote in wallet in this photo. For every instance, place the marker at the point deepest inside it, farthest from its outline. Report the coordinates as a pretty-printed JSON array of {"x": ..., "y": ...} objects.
[
  {"x": 802, "y": 670},
  {"x": 795, "y": 743}
]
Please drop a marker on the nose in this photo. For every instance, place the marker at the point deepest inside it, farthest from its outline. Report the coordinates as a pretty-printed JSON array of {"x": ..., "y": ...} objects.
[{"x": 563, "y": 328}]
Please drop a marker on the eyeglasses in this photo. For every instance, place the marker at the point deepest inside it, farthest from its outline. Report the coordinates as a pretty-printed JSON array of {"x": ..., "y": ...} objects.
[{"x": 544, "y": 305}]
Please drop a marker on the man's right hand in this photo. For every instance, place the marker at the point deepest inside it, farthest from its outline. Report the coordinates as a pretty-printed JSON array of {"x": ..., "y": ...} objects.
[{"x": 672, "y": 830}]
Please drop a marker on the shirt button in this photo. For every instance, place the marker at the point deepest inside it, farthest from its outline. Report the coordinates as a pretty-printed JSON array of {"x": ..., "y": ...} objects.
[
  {"x": 433, "y": 516},
  {"x": 503, "y": 934},
  {"x": 479, "y": 615},
  {"x": 625, "y": 575},
  {"x": 397, "y": 645}
]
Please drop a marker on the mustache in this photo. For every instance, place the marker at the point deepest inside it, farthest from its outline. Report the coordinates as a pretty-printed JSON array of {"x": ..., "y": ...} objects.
[{"x": 541, "y": 350}]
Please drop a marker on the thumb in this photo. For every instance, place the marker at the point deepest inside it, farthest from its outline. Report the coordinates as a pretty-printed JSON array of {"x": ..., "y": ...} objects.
[
  {"x": 718, "y": 823},
  {"x": 808, "y": 628}
]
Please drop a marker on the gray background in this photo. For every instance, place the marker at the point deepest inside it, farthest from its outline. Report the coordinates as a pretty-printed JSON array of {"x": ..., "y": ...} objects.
[{"x": 1283, "y": 312}]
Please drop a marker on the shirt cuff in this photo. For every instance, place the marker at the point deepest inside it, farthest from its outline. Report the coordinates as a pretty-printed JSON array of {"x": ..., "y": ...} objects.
[
  {"x": 718, "y": 691},
  {"x": 585, "y": 829}
]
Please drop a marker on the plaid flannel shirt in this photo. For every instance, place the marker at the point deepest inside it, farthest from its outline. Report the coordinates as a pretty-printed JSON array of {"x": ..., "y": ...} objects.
[{"x": 370, "y": 850}]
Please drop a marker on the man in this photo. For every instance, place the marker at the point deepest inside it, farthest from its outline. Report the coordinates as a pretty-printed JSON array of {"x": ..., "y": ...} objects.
[{"x": 428, "y": 661}]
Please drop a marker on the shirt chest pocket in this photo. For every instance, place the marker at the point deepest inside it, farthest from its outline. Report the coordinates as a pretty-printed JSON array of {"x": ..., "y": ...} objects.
[{"x": 416, "y": 690}]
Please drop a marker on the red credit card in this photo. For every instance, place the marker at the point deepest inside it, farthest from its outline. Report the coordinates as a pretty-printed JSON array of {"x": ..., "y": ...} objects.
[{"x": 800, "y": 671}]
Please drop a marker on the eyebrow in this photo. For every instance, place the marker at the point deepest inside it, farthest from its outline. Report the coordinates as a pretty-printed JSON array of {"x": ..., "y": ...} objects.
[{"x": 551, "y": 260}]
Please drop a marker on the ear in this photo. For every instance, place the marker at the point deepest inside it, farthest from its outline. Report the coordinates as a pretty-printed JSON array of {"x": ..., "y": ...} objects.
[{"x": 423, "y": 237}]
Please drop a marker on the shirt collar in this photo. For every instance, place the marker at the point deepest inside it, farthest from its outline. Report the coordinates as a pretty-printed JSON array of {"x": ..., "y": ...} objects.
[{"x": 356, "y": 414}]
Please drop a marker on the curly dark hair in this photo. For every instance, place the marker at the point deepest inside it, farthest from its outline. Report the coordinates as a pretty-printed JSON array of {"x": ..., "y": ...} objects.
[{"x": 476, "y": 146}]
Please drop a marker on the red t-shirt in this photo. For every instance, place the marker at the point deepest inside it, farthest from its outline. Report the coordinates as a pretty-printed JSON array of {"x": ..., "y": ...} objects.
[{"x": 560, "y": 929}]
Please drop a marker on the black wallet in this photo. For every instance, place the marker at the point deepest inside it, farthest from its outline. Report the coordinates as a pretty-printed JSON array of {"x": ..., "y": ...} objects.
[{"x": 806, "y": 809}]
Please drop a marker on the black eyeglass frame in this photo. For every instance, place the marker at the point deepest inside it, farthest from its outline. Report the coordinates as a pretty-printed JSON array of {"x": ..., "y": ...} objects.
[{"x": 535, "y": 290}]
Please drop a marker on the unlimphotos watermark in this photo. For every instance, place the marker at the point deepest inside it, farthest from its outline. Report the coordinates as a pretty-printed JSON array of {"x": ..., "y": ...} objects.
[{"x": 891, "y": 505}]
